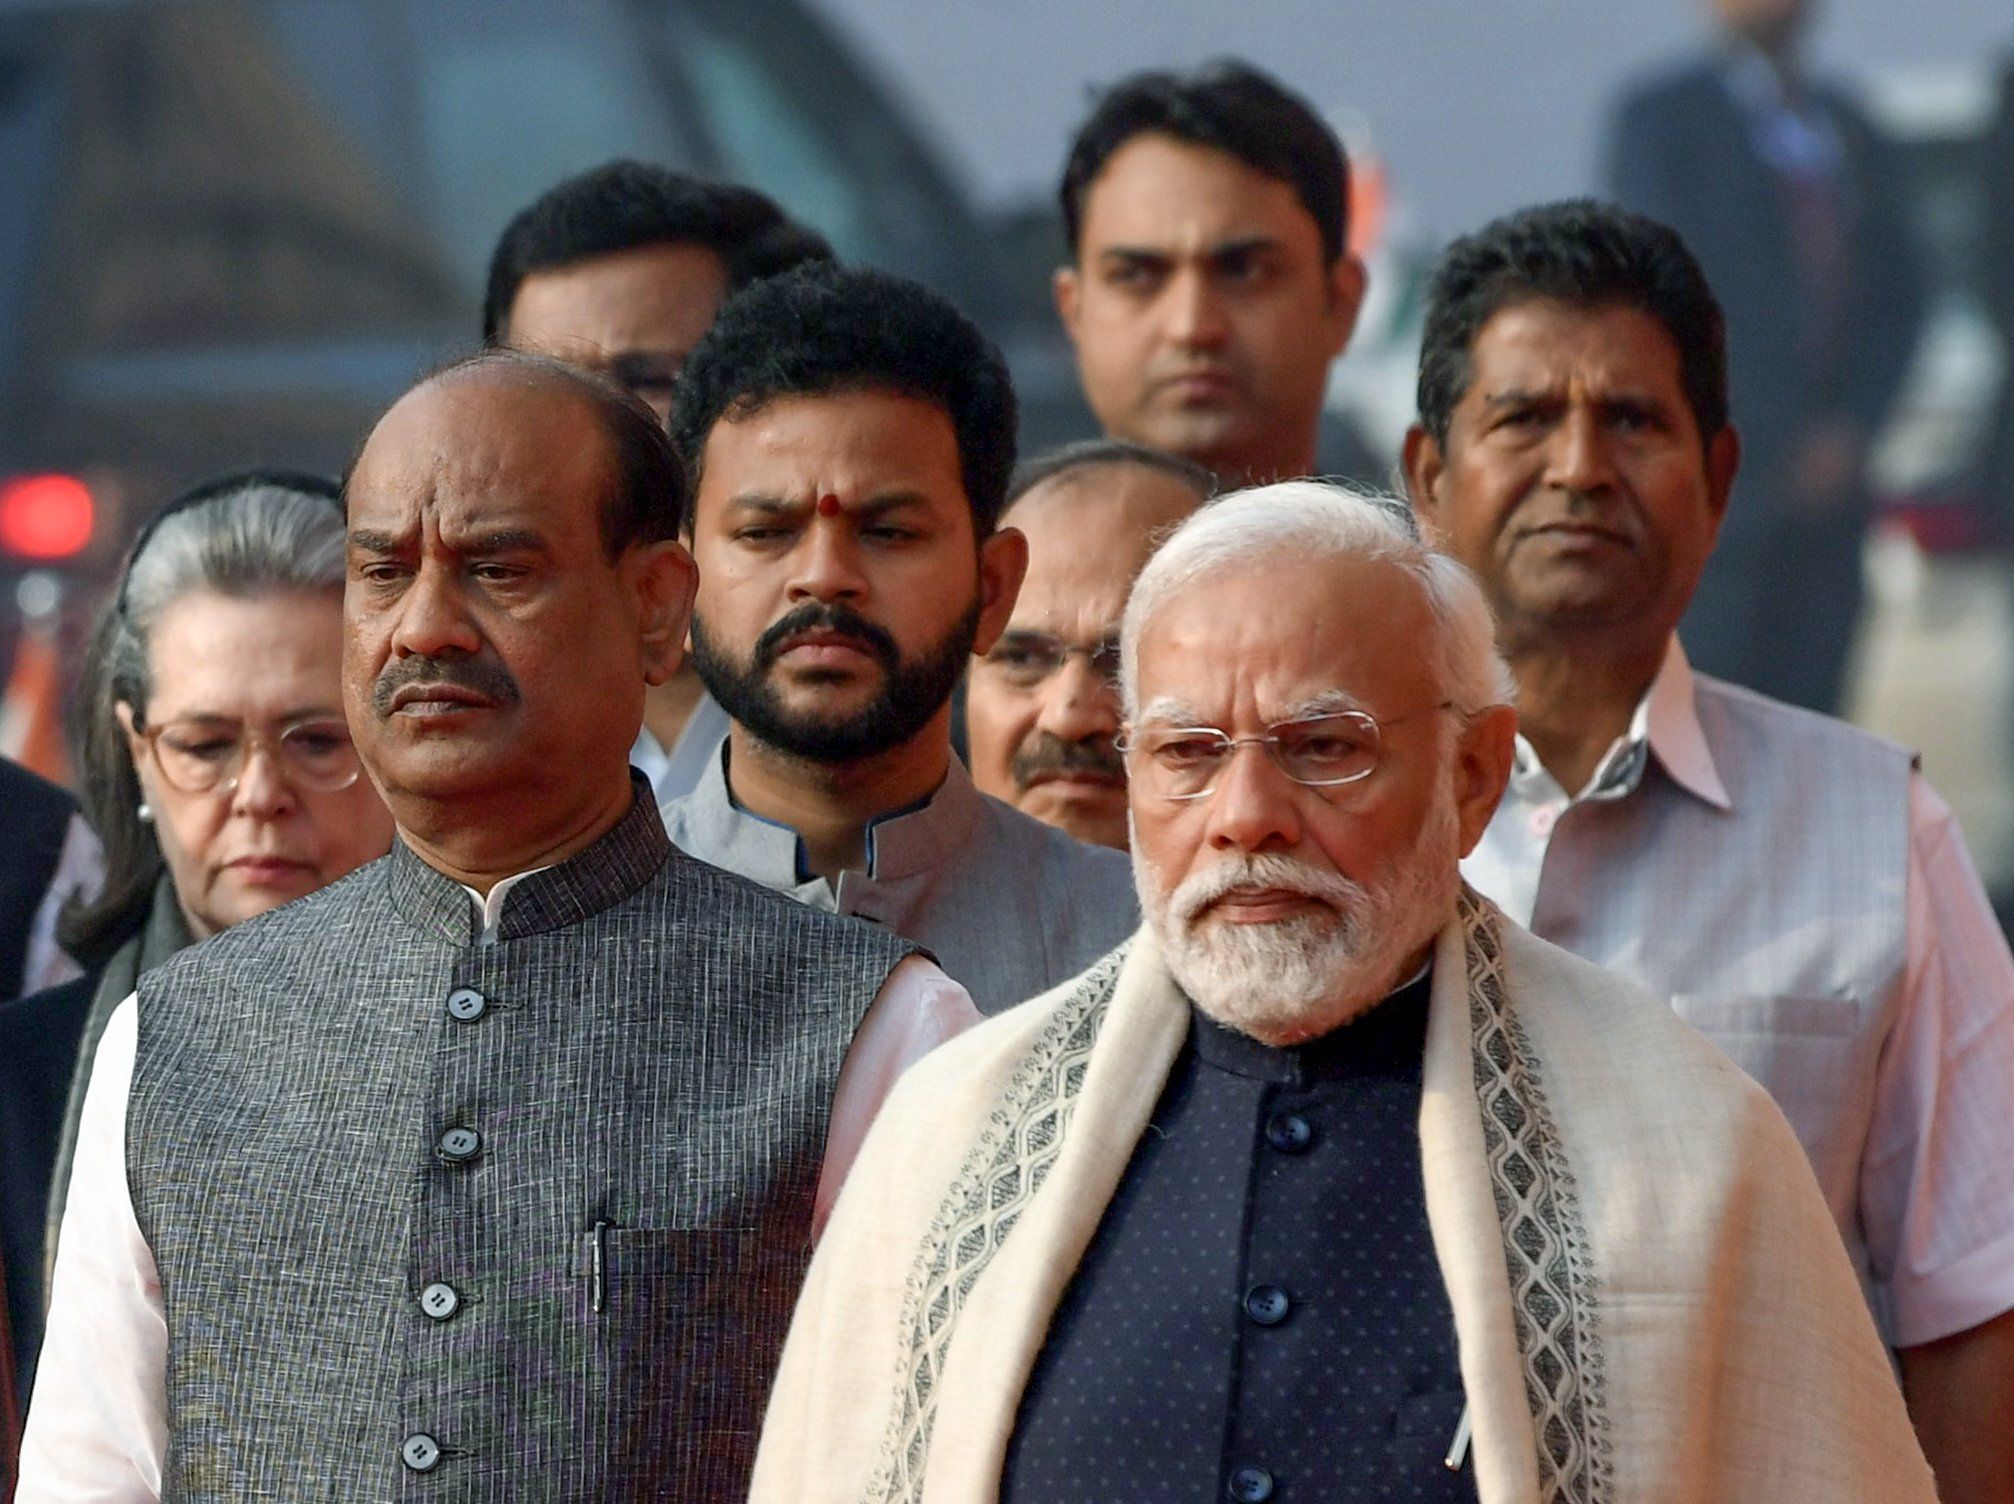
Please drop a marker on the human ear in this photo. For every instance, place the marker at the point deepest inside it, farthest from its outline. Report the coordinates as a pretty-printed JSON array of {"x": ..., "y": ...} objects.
[
  {"x": 1422, "y": 462},
  {"x": 663, "y": 578},
  {"x": 1003, "y": 560},
  {"x": 1482, "y": 767}
]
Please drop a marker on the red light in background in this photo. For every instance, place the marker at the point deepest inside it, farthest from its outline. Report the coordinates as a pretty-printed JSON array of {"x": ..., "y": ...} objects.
[{"x": 45, "y": 516}]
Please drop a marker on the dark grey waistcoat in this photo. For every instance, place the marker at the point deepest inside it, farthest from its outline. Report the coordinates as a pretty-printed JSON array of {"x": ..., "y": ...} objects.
[{"x": 445, "y": 1220}]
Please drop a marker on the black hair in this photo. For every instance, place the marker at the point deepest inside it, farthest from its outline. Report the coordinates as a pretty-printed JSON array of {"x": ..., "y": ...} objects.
[
  {"x": 648, "y": 501},
  {"x": 622, "y": 205},
  {"x": 824, "y": 329},
  {"x": 1087, "y": 454},
  {"x": 1229, "y": 106},
  {"x": 1584, "y": 253}
]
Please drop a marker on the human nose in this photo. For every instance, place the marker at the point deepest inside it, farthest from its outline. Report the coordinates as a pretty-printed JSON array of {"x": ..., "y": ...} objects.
[
  {"x": 1253, "y": 806},
  {"x": 1196, "y": 317},
  {"x": 1078, "y": 702},
  {"x": 434, "y": 620},
  {"x": 260, "y": 789},
  {"x": 827, "y": 565},
  {"x": 1578, "y": 458}
]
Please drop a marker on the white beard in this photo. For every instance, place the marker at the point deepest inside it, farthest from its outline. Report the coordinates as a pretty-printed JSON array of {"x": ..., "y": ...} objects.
[{"x": 1300, "y": 978}]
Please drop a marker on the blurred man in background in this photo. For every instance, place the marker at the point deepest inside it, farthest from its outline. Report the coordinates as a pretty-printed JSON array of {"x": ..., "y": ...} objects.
[
  {"x": 621, "y": 270},
  {"x": 1784, "y": 192},
  {"x": 1042, "y": 707},
  {"x": 851, "y": 436},
  {"x": 1210, "y": 285},
  {"x": 1790, "y": 882}
]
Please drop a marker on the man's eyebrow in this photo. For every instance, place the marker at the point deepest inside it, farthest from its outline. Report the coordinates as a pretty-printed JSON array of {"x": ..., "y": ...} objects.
[
  {"x": 1328, "y": 702},
  {"x": 507, "y": 540},
  {"x": 1171, "y": 711},
  {"x": 1242, "y": 245},
  {"x": 1517, "y": 396},
  {"x": 767, "y": 505},
  {"x": 368, "y": 540}
]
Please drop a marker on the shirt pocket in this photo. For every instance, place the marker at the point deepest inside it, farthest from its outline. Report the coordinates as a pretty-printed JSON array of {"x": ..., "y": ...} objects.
[
  {"x": 1423, "y": 1434},
  {"x": 688, "y": 1332},
  {"x": 1814, "y": 1055}
]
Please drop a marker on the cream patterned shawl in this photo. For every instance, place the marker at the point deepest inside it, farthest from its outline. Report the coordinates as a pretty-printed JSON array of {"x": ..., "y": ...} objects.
[{"x": 1649, "y": 1296}]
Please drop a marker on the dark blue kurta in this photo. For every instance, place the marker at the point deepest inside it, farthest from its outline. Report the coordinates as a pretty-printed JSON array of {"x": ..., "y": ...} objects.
[{"x": 1260, "y": 1316}]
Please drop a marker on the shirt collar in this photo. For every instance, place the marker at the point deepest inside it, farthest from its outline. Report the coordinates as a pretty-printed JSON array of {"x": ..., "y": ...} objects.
[
  {"x": 900, "y": 844},
  {"x": 598, "y": 877},
  {"x": 1665, "y": 725}
]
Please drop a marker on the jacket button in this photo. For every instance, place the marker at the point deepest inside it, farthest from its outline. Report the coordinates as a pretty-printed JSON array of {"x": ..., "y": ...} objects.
[
  {"x": 1267, "y": 1304},
  {"x": 421, "y": 1452},
  {"x": 466, "y": 1005},
  {"x": 1250, "y": 1485},
  {"x": 440, "y": 1301},
  {"x": 1289, "y": 1132},
  {"x": 459, "y": 1144}
]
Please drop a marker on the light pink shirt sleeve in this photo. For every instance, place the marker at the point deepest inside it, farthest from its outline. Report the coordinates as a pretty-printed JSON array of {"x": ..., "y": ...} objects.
[
  {"x": 917, "y": 1009},
  {"x": 1937, "y": 1179},
  {"x": 97, "y": 1421}
]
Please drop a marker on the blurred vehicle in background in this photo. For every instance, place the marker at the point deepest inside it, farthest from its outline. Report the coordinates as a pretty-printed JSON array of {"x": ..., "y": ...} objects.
[{"x": 235, "y": 229}]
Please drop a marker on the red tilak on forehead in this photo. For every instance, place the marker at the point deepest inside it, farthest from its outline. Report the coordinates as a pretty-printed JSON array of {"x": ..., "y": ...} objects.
[{"x": 828, "y": 505}]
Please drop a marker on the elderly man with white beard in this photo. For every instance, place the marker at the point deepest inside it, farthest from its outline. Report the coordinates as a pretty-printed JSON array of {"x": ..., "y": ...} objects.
[{"x": 1332, "y": 1183}]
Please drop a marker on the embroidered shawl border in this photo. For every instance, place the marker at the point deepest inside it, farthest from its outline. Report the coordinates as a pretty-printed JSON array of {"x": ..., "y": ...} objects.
[{"x": 1555, "y": 1298}]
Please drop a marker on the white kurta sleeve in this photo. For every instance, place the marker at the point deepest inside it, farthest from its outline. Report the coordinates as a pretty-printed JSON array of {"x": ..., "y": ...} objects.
[
  {"x": 917, "y": 1009},
  {"x": 97, "y": 1421}
]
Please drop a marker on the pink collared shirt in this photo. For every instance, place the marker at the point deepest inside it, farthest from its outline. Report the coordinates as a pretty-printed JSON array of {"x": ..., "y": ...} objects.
[{"x": 1900, "y": 1082}]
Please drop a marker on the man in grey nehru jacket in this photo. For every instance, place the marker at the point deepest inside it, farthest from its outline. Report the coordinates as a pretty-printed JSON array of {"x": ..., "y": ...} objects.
[{"x": 490, "y": 1171}]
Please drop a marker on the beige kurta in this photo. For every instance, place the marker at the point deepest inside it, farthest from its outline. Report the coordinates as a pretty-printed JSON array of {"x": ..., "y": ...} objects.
[{"x": 1650, "y": 1299}]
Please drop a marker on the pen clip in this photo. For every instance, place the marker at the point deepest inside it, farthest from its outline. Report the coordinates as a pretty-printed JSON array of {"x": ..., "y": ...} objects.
[
  {"x": 1458, "y": 1449},
  {"x": 600, "y": 1274}
]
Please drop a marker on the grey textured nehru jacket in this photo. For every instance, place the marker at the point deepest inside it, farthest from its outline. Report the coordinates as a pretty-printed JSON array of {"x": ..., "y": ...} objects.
[{"x": 441, "y": 1219}]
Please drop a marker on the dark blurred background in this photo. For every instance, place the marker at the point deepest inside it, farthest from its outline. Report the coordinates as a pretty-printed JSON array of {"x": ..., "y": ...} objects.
[{"x": 231, "y": 230}]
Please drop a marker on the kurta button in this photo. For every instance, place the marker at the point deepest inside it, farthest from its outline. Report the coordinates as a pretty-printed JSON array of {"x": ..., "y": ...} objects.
[
  {"x": 458, "y": 1144},
  {"x": 1267, "y": 1304},
  {"x": 1289, "y": 1132},
  {"x": 422, "y": 1453},
  {"x": 1250, "y": 1485},
  {"x": 466, "y": 1005},
  {"x": 440, "y": 1301}
]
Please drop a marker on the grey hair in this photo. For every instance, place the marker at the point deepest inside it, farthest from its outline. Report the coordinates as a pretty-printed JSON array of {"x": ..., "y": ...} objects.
[
  {"x": 266, "y": 538},
  {"x": 257, "y": 534},
  {"x": 1322, "y": 520}
]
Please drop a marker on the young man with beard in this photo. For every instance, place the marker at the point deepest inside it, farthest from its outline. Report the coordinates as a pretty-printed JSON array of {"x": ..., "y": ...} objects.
[
  {"x": 1335, "y": 1184},
  {"x": 1042, "y": 707},
  {"x": 851, "y": 435}
]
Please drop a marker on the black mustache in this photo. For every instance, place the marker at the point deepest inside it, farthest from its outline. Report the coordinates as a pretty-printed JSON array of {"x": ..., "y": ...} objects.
[
  {"x": 1051, "y": 754},
  {"x": 814, "y": 617},
  {"x": 483, "y": 676}
]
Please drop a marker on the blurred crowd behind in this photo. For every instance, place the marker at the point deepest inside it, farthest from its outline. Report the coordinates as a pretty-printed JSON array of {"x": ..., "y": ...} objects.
[{"x": 239, "y": 228}]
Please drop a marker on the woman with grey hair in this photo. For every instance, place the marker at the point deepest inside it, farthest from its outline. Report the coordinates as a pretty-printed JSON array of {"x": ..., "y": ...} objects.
[{"x": 216, "y": 768}]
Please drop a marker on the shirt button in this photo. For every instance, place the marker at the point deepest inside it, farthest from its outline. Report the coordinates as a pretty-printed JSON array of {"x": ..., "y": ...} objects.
[
  {"x": 440, "y": 1301},
  {"x": 422, "y": 1453},
  {"x": 1289, "y": 1132},
  {"x": 1250, "y": 1485},
  {"x": 1543, "y": 819},
  {"x": 459, "y": 1144},
  {"x": 466, "y": 1005},
  {"x": 1267, "y": 1304}
]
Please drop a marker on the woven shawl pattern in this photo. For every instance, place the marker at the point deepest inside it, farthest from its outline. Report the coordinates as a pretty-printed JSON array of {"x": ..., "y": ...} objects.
[
  {"x": 1003, "y": 1172},
  {"x": 1555, "y": 1297}
]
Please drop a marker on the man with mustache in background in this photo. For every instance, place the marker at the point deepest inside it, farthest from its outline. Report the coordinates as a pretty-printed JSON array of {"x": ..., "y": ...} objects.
[
  {"x": 490, "y": 1170},
  {"x": 1042, "y": 706},
  {"x": 851, "y": 435}
]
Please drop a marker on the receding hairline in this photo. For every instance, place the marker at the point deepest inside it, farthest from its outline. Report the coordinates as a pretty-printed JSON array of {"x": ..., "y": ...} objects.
[{"x": 1081, "y": 477}]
